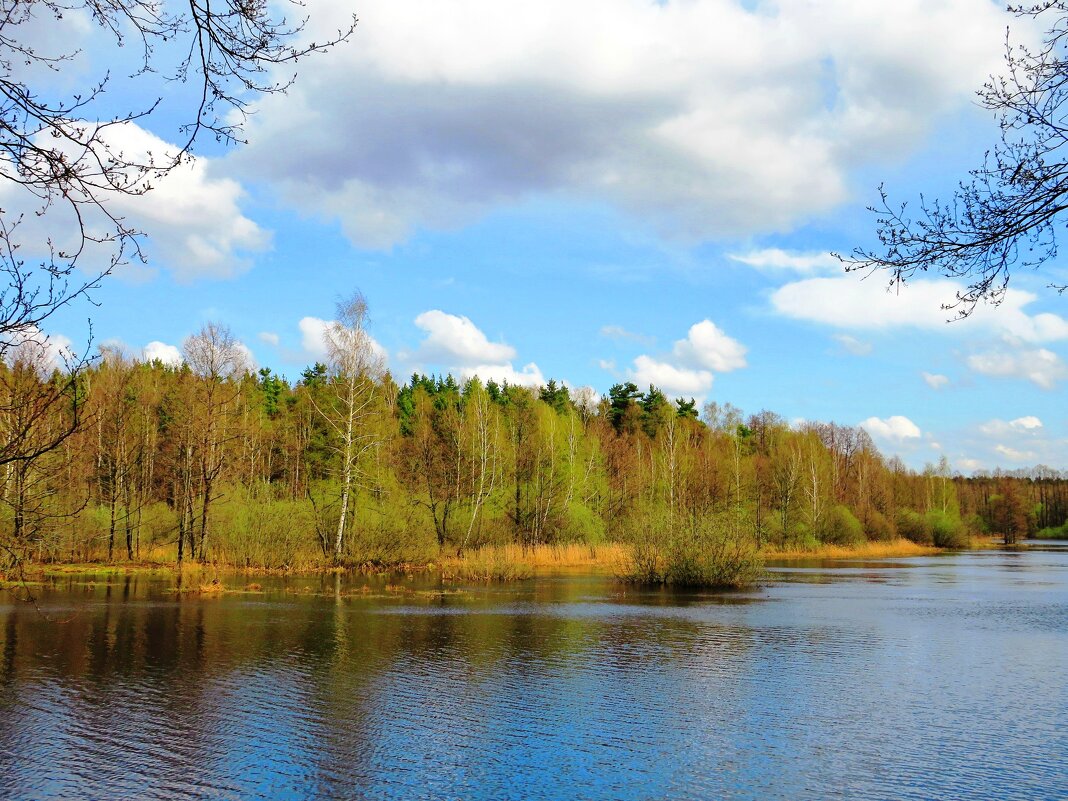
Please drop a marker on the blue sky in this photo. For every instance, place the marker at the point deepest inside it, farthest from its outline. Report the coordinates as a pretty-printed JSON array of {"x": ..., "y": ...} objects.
[{"x": 610, "y": 191}]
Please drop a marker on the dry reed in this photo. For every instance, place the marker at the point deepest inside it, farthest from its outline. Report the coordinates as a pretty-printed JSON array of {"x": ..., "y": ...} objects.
[
  {"x": 511, "y": 561},
  {"x": 864, "y": 550}
]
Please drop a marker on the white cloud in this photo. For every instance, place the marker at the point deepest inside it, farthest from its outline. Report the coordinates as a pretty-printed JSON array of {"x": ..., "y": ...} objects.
[
  {"x": 690, "y": 368},
  {"x": 1042, "y": 367},
  {"x": 896, "y": 428},
  {"x": 162, "y": 352},
  {"x": 606, "y": 364},
  {"x": 776, "y": 260},
  {"x": 269, "y": 338},
  {"x": 313, "y": 340},
  {"x": 851, "y": 302},
  {"x": 969, "y": 464},
  {"x": 191, "y": 215},
  {"x": 457, "y": 344},
  {"x": 248, "y": 359},
  {"x": 671, "y": 379},
  {"x": 935, "y": 380},
  {"x": 313, "y": 337},
  {"x": 455, "y": 341},
  {"x": 1028, "y": 423},
  {"x": 1021, "y": 425},
  {"x": 33, "y": 347},
  {"x": 852, "y": 344},
  {"x": 529, "y": 376},
  {"x": 706, "y": 117},
  {"x": 707, "y": 346},
  {"x": 1015, "y": 455}
]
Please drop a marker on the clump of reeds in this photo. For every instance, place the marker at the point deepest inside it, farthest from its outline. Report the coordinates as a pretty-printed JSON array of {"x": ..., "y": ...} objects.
[
  {"x": 487, "y": 564},
  {"x": 864, "y": 550}
]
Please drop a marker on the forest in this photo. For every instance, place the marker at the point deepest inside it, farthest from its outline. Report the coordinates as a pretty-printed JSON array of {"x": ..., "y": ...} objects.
[{"x": 210, "y": 461}]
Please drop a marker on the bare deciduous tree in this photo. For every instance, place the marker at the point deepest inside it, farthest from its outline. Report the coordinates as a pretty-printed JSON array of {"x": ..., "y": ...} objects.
[
  {"x": 1006, "y": 215},
  {"x": 219, "y": 360}
]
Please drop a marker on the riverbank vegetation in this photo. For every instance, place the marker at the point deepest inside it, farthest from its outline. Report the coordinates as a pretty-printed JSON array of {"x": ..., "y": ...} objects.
[{"x": 210, "y": 462}]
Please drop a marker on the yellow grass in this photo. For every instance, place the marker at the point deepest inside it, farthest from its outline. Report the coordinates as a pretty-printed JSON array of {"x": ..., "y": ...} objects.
[
  {"x": 865, "y": 550},
  {"x": 504, "y": 562}
]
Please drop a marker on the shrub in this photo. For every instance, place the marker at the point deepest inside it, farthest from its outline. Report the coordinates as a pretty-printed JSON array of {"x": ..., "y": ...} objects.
[
  {"x": 947, "y": 531},
  {"x": 913, "y": 526},
  {"x": 842, "y": 528},
  {"x": 877, "y": 527},
  {"x": 692, "y": 551},
  {"x": 1053, "y": 532}
]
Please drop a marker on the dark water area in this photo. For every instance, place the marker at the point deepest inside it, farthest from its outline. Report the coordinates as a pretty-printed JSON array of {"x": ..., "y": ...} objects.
[{"x": 927, "y": 678}]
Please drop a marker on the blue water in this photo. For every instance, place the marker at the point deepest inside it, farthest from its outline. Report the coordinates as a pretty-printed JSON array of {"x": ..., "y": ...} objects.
[{"x": 927, "y": 678}]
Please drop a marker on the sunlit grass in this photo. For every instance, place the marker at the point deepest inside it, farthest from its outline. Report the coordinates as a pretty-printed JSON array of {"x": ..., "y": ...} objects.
[
  {"x": 864, "y": 550},
  {"x": 512, "y": 562}
]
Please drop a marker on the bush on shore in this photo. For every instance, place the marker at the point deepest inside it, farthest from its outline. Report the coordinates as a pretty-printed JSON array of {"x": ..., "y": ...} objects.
[{"x": 688, "y": 550}]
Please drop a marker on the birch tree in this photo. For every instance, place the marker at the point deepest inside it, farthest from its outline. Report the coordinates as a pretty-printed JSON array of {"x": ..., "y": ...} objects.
[{"x": 355, "y": 367}]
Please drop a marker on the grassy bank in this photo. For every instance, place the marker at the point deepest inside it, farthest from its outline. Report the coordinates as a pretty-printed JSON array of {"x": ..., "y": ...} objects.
[{"x": 489, "y": 563}]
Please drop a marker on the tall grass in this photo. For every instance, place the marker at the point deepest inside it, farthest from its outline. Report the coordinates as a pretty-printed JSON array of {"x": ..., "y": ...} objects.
[
  {"x": 511, "y": 561},
  {"x": 860, "y": 550}
]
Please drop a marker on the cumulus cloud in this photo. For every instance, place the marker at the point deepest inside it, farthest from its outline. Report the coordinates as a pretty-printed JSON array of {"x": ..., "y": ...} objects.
[
  {"x": 693, "y": 361},
  {"x": 169, "y": 355},
  {"x": 529, "y": 376},
  {"x": 313, "y": 337},
  {"x": 456, "y": 341},
  {"x": 671, "y": 379},
  {"x": 999, "y": 428},
  {"x": 852, "y": 303},
  {"x": 457, "y": 344},
  {"x": 34, "y": 347},
  {"x": 935, "y": 380},
  {"x": 896, "y": 428},
  {"x": 852, "y": 344},
  {"x": 705, "y": 118},
  {"x": 192, "y": 215},
  {"x": 1040, "y": 366},
  {"x": 269, "y": 338},
  {"x": 313, "y": 340},
  {"x": 707, "y": 346},
  {"x": 247, "y": 359}
]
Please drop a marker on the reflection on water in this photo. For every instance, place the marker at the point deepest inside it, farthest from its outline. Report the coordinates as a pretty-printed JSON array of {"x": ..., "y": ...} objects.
[{"x": 916, "y": 678}]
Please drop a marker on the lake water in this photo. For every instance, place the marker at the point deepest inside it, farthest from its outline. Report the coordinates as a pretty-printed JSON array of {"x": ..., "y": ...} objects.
[{"x": 926, "y": 678}]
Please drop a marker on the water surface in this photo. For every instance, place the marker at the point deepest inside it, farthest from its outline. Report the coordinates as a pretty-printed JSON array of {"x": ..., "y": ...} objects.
[{"x": 927, "y": 678}]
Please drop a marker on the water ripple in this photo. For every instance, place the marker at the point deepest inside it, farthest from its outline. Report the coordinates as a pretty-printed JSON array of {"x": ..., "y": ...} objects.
[{"x": 919, "y": 679}]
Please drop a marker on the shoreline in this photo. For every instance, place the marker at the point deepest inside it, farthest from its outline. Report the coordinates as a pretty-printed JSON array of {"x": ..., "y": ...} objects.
[{"x": 508, "y": 562}]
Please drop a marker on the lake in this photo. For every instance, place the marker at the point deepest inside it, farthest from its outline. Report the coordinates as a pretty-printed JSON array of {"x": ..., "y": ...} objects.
[{"x": 928, "y": 678}]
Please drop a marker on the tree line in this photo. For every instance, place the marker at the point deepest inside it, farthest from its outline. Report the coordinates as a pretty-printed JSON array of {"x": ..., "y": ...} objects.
[{"x": 211, "y": 461}]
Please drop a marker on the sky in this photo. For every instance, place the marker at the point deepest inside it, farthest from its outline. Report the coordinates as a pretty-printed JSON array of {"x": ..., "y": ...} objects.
[{"x": 606, "y": 191}]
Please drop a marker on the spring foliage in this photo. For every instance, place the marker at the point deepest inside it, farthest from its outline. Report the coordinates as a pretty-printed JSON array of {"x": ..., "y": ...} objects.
[{"x": 251, "y": 470}]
